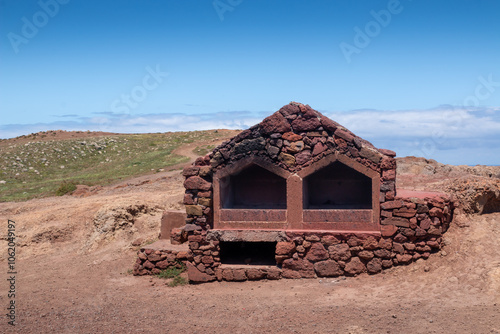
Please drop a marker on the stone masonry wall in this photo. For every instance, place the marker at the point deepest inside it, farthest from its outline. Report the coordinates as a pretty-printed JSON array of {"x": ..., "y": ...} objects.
[
  {"x": 293, "y": 138},
  {"x": 152, "y": 262},
  {"x": 411, "y": 229}
]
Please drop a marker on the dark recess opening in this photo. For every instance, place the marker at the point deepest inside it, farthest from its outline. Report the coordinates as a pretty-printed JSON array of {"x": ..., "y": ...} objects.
[
  {"x": 253, "y": 188},
  {"x": 242, "y": 252},
  {"x": 337, "y": 186},
  {"x": 492, "y": 205}
]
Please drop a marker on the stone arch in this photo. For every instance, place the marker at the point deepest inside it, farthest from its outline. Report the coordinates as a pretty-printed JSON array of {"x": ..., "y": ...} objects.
[
  {"x": 341, "y": 208},
  {"x": 250, "y": 193}
]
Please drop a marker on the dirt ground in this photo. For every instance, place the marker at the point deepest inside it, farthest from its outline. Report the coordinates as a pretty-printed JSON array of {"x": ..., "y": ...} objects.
[{"x": 74, "y": 254}]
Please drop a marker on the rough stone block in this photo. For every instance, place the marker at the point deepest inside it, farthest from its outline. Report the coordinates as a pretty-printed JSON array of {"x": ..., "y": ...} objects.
[
  {"x": 284, "y": 247},
  {"x": 328, "y": 268},
  {"x": 317, "y": 253},
  {"x": 392, "y": 205},
  {"x": 354, "y": 266},
  {"x": 197, "y": 183},
  {"x": 374, "y": 266},
  {"x": 340, "y": 252},
  {"x": 194, "y": 210},
  {"x": 196, "y": 276},
  {"x": 396, "y": 221}
]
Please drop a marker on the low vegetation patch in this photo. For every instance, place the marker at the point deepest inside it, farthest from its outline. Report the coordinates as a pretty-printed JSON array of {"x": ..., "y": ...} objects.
[
  {"x": 174, "y": 272},
  {"x": 32, "y": 167},
  {"x": 65, "y": 188}
]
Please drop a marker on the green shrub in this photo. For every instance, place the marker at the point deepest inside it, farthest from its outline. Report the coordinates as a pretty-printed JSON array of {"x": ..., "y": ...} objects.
[
  {"x": 178, "y": 280},
  {"x": 171, "y": 272},
  {"x": 65, "y": 188}
]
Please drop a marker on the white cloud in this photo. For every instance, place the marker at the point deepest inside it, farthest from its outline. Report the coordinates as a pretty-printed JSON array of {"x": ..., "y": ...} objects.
[{"x": 440, "y": 133}]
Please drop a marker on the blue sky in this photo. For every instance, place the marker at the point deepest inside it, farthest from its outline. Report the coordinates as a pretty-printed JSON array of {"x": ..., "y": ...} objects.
[{"x": 420, "y": 77}]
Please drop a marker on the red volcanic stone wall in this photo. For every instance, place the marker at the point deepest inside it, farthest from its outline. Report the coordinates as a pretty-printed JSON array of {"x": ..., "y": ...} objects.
[
  {"x": 152, "y": 262},
  {"x": 322, "y": 254},
  {"x": 293, "y": 138}
]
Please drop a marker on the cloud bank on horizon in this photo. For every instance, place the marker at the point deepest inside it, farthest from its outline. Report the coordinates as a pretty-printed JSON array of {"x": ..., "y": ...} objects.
[{"x": 448, "y": 134}]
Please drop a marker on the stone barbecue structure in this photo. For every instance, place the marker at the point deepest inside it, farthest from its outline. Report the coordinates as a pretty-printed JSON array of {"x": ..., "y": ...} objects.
[{"x": 299, "y": 196}]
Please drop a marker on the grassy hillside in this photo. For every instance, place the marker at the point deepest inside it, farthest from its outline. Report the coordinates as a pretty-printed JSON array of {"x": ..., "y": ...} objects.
[{"x": 37, "y": 168}]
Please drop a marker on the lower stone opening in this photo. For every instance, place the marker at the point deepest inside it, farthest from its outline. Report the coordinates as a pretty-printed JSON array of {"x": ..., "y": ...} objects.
[{"x": 243, "y": 252}]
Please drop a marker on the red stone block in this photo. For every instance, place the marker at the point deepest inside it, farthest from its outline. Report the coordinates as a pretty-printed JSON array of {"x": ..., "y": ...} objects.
[
  {"x": 275, "y": 123},
  {"x": 436, "y": 212},
  {"x": 370, "y": 244},
  {"x": 154, "y": 257},
  {"x": 398, "y": 248},
  {"x": 195, "y": 238},
  {"x": 148, "y": 265},
  {"x": 163, "y": 264},
  {"x": 197, "y": 183},
  {"x": 196, "y": 276},
  {"x": 382, "y": 253},
  {"x": 389, "y": 174},
  {"x": 390, "y": 195},
  {"x": 433, "y": 244},
  {"x": 354, "y": 266},
  {"x": 404, "y": 259},
  {"x": 290, "y": 136},
  {"x": 317, "y": 253},
  {"x": 344, "y": 135},
  {"x": 328, "y": 268},
  {"x": 374, "y": 266},
  {"x": 402, "y": 222},
  {"x": 387, "y": 152},
  {"x": 405, "y": 212},
  {"x": 392, "y": 205},
  {"x": 300, "y": 265},
  {"x": 340, "y": 252},
  {"x": 425, "y": 224},
  {"x": 366, "y": 255},
  {"x": 206, "y": 194},
  {"x": 385, "y": 243},
  {"x": 319, "y": 148},
  {"x": 190, "y": 171},
  {"x": 188, "y": 199},
  {"x": 284, "y": 248},
  {"x": 328, "y": 124},
  {"x": 292, "y": 274},
  {"x": 386, "y": 214},
  {"x": 329, "y": 240},
  {"x": 388, "y": 163},
  {"x": 302, "y": 124}
]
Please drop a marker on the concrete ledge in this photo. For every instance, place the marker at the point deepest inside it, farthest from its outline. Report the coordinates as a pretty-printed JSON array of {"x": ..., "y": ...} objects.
[{"x": 246, "y": 235}]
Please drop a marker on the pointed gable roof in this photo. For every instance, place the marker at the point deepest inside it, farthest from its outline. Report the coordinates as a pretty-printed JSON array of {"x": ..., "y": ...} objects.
[{"x": 295, "y": 137}]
